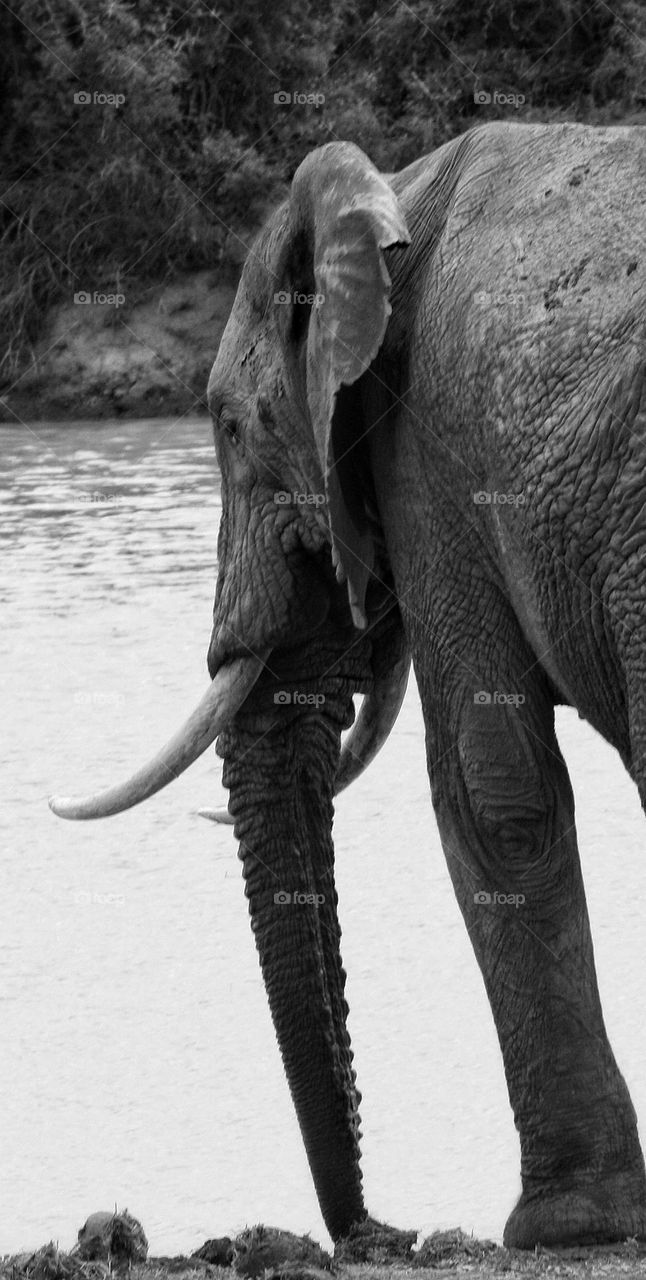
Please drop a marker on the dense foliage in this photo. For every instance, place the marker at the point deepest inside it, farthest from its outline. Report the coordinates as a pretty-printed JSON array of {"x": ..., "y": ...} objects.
[{"x": 178, "y": 141}]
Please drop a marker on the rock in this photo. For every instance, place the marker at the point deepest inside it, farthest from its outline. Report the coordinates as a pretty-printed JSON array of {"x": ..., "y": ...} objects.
[
  {"x": 218, "y": 1251},
  {"x": 95, "y": 1235},
  {"x": 447, "y": 1248},
  {"x": 112, "y": 1236},
  {"x": 260, "y": 1248}
]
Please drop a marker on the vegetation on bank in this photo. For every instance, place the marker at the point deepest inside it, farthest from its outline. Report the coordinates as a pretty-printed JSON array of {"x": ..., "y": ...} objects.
[
  {"x": 595, "y": 1263},
  {"x": 145, "y": 139}
]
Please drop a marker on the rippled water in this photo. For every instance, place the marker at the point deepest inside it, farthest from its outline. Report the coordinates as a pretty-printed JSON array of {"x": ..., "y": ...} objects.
[{"x": 137, "y": 1058}]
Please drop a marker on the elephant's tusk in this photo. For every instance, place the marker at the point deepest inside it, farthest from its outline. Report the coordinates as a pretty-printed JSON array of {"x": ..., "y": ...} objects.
[
  {"x": 230, "y": 687},
  {"x": 216, "y": 815},
  {"x": 376, "y": 718}
]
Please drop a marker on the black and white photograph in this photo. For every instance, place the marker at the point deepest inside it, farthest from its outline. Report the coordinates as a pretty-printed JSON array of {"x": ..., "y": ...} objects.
[{"x": 323, "y": 643}]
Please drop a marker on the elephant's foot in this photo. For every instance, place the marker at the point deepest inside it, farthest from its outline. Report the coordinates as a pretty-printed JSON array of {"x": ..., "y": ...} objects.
[
  {"x": 612, "y": 1209},
  {"x": 376, "y": 1242}
]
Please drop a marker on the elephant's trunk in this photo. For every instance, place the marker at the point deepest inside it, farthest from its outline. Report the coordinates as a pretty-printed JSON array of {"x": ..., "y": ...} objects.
[
  {"x": 221, "y": 701},
  {"x": 281, "y": 787}
]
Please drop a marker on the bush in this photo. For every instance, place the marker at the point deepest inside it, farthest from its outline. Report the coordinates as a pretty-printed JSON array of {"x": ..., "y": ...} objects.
[{"x": 100, "y": 193}]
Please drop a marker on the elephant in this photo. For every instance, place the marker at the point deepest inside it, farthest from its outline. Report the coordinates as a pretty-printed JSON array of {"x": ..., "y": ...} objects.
[{"x": 429, "y": 417}]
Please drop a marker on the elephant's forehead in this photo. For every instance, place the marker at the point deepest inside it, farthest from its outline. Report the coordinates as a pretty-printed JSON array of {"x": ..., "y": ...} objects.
[
  {"x": 262, "y": 271},
  {"x": 247, "y": 359},
  {"x": 249, "y": 347}
]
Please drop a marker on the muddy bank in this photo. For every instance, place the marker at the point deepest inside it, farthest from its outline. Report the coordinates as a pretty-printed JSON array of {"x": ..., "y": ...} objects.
[
  {"x": 107, "y": 355},
  {"x": 272, "y": 1254}
]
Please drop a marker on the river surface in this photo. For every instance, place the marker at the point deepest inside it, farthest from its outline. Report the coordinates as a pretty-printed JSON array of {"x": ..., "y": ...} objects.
[{"x": 137, "y": 1058}]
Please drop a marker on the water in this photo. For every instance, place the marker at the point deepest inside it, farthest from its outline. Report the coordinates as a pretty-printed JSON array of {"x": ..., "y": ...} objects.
[{"x": 137, "y": 1058}]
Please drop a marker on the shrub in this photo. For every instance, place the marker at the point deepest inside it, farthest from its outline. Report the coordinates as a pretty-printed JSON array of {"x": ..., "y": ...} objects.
[{"x": 99, "y": 194}]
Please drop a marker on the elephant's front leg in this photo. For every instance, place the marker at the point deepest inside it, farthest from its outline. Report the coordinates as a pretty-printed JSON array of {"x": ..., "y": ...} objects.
[{"x": 506, "y": 815}]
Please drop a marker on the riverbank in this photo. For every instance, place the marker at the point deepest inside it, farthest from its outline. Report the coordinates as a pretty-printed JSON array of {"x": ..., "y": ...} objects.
[
  {"x": 449, "y": 1251},
  {"x": 125, "y": 355}
]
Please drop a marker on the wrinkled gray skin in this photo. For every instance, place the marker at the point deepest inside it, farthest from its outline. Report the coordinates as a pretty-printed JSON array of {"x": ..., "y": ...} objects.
[
  {"x": 398, "y": 420},
  {"x": 402, "y": 354}
]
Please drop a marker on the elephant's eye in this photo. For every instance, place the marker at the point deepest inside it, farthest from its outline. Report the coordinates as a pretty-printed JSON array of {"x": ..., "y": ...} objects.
[{"x": 229, "y": 425}]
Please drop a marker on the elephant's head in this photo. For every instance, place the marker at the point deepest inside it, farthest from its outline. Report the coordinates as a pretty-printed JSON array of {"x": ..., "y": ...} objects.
[{"x": 304, "y": 614}]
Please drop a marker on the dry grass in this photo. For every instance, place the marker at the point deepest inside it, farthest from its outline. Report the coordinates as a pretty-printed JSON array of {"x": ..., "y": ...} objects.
[{"x": 450, "y": 1251}]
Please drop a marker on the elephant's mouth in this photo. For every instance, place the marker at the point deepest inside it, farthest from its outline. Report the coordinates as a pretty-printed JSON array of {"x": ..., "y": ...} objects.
[{"x": 231, "y": 685}]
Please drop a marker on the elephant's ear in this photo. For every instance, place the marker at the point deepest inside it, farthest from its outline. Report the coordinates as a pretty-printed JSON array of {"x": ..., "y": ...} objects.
[{"x": 343, "y": 213}]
